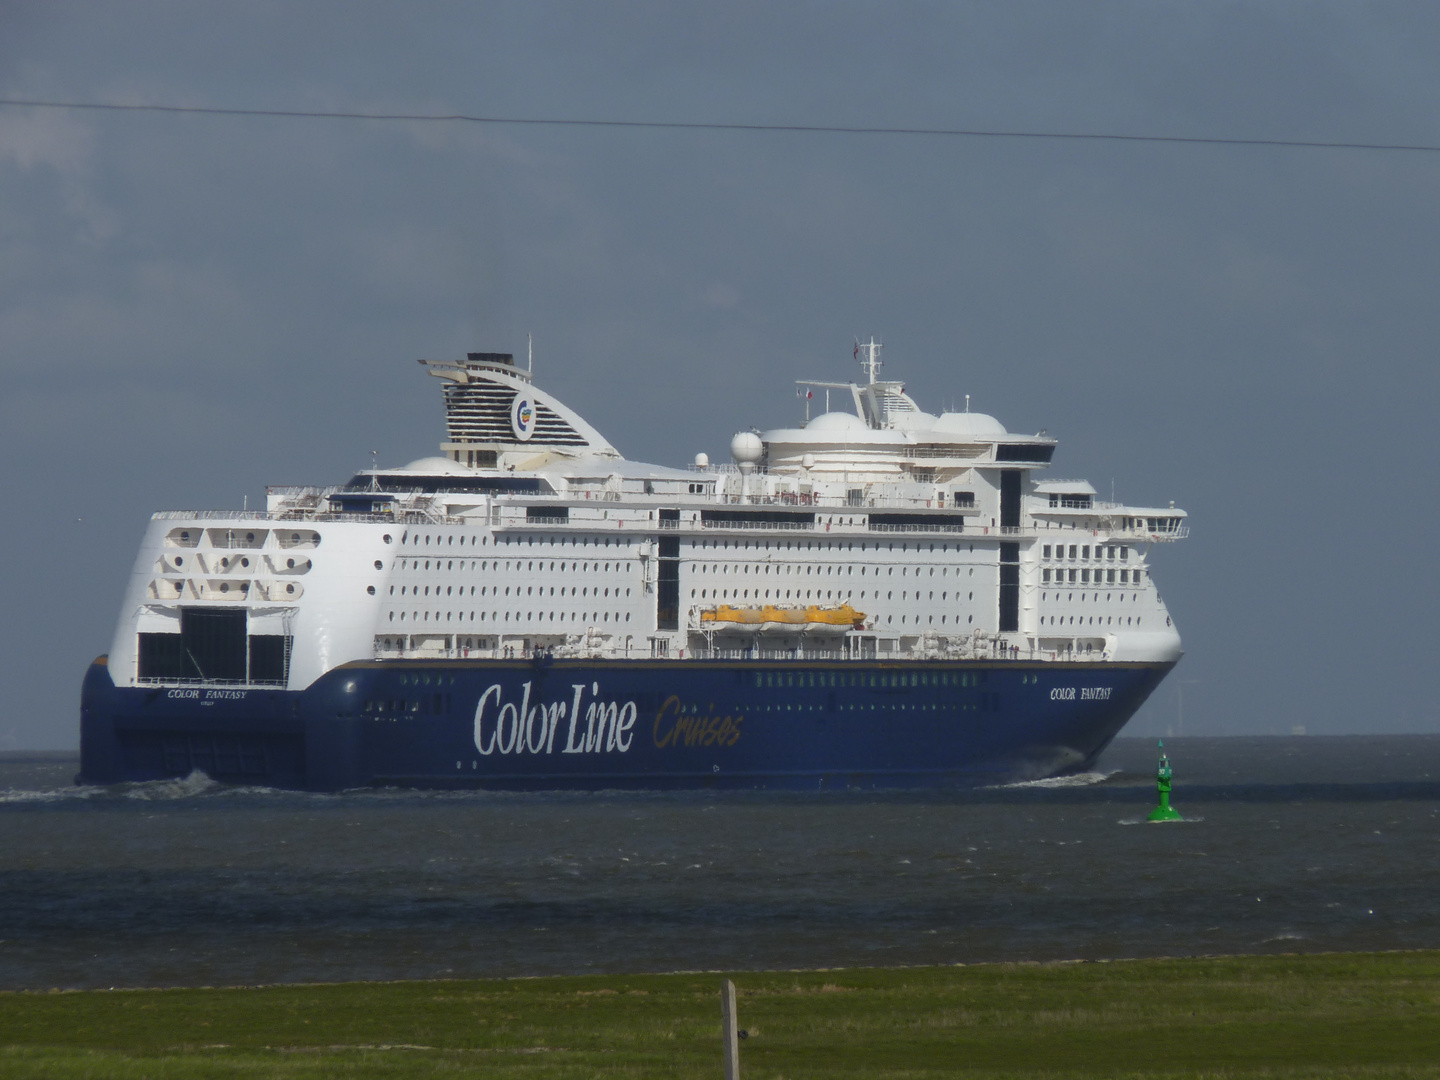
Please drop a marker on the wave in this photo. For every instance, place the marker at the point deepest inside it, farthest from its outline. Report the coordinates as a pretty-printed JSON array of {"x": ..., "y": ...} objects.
[
  {"x": 1074, "y": 780},
  {"x": 188, "y": 787},
  {"x": 196, "y": 785},
  {"x": 12, "y": 796}
]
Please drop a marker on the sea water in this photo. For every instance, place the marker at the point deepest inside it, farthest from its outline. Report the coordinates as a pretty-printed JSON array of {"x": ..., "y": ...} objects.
[{"x": 1289, "y": 844}]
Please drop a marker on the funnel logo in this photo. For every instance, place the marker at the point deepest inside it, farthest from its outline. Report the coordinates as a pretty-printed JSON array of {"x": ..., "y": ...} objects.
[{"x": 522, "y": 417}]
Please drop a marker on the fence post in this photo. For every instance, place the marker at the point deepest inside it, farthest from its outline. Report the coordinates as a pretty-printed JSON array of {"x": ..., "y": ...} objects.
[{"x": 731, "y": 1033}]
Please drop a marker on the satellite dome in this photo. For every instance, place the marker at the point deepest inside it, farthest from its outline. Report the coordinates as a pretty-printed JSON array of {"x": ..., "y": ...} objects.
[{"x": 746, "y": 448}]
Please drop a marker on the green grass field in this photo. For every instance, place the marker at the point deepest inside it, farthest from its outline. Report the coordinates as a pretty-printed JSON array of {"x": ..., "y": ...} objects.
[{"x": 1339, "y": 1015}]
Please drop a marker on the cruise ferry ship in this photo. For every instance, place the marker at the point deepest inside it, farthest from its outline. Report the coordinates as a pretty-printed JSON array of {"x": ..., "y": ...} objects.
[{"x": 878, "y": 597}]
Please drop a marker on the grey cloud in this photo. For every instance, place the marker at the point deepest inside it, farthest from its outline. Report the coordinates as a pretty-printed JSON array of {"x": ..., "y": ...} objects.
[{"x": 195, "y": 307}]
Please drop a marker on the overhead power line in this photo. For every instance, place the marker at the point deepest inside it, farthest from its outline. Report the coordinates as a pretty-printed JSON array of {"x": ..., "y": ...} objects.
[{"x": 696, "y": 125}]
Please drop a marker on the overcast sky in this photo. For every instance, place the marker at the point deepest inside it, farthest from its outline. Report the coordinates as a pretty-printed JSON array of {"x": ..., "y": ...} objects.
[{"x": 194, "y": 307}]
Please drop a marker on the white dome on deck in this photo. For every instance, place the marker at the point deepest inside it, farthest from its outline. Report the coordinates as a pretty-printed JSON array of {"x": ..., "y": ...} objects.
[
  {"x": 969, "y": 425},
  {"x": 836, "y": 421},
  {"x": 746, "y": 448},
  {"x": 435, "y": 466},
  {"x": 914, "y": 421}
]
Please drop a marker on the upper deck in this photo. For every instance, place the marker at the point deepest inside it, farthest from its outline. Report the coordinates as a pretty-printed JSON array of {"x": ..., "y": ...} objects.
[{"x": 937, "y": 535}]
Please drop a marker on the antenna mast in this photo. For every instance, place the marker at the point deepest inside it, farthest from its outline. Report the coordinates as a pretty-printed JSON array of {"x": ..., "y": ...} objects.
[{"x": 871, "y": 362}]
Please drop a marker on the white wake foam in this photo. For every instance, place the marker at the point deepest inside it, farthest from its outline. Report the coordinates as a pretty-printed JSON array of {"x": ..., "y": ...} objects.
[
  {"x": 197, "y": 783},
  {"x": 49, "y": 795},
  {"x": 1084, "y": 779}
]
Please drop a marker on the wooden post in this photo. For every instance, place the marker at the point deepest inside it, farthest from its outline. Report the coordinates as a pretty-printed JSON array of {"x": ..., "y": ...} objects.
[{"x": 731, "y": 1033}]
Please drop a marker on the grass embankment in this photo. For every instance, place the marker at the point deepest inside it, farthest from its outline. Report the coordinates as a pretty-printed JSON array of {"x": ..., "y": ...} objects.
[{"x": 1296, "y": 1016}]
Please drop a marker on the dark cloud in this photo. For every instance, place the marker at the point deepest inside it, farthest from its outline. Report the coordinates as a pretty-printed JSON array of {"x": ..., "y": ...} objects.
[{"x": 194, "y": 307}]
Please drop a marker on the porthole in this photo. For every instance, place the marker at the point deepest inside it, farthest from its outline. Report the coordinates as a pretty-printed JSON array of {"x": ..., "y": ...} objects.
[
  {"x": 370, "y": 589},
  {"x": 386, "y": 538},
  {"x": 244, "y": 562},
  {"x": 379, "y": 565},
  {"x": 289, "y": 588}
]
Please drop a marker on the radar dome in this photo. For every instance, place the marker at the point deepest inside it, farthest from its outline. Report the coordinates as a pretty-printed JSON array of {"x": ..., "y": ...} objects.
[
  {"x": 746, "y": 448},
  {"x": 702, "y": 461}
]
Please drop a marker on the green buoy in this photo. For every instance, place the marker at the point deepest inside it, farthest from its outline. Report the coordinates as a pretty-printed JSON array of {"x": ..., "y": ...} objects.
[{"x": 1164, "y": 812}]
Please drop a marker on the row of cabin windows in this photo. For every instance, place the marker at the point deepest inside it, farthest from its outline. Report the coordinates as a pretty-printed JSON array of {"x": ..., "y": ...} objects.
[
  {"x": 985, "y": 702},
  {"x": 417, "y": 540},
  {"x": 589, "y": 618},
  {"x": 809, "y": 594},
  {"x": 560, "y": 541},
  {"x": 817, "y": 570},
  {"x": 584, "y": 590},
  {"x": 595, "y": 618},
  {"x": 886, "y": 679},
  {"x": 1126, "y": 577},
  {"x": 1102, "y": 551},
  {"x": 1094, "y": 620},
  {"x": 704, "y": 568},
  {"x": 829, "y": 545},
  {"x": 478, "y": 540},
  {"x": 1133, "y": 597},
  {"x": 449, "y": 564},
  {"x": 425, "y": 540},
  {"x": 929, "y": 620}
]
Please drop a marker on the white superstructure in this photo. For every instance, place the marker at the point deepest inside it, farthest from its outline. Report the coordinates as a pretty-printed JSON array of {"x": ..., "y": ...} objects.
[{"x": 939, "y": 534}]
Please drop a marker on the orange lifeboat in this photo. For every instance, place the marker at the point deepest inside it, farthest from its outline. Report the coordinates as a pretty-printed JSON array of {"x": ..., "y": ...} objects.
[{"x": 768, "y": 617}]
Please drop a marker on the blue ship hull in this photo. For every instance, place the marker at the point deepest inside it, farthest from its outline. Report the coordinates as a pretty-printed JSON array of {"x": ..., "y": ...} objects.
[{"x": 644, "y": 724}]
